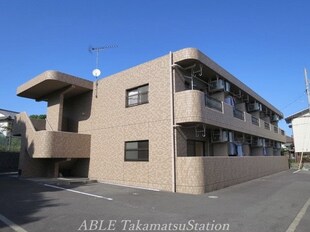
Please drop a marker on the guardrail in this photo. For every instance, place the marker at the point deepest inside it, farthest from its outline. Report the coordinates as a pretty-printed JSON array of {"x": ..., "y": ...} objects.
[
  {"x": 255, "y": 121},
  {"x": 238, "y": 114},
  {"x": 213, "y": 103}
]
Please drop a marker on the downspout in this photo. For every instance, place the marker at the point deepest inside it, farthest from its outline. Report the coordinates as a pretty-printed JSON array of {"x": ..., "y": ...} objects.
[{"x": 173, "y": 155}]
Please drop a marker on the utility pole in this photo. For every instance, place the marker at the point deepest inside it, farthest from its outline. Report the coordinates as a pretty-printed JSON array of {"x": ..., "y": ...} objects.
[
  {"x": 308, "y": 96},
  {"x": 307, "y": 88}
]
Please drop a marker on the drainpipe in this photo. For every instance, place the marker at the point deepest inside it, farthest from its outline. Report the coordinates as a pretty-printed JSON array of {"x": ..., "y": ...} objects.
[{"x": 173, "y": 158}]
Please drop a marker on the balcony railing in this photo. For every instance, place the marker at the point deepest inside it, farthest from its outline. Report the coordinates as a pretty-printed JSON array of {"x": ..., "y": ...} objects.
[
  {"x": 255, "y": 121},
  {"x": 197, "y": 107},
  {"x": 238, "y": 114},
  {"x": 213, "y": 103}
]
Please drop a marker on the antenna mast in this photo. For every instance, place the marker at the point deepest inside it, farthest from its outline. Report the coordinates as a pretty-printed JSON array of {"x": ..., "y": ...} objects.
[{"x": 96, "y": 72}]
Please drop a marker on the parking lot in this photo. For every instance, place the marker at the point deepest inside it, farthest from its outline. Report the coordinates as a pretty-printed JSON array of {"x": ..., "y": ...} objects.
[{"x": 274, "y": 203}]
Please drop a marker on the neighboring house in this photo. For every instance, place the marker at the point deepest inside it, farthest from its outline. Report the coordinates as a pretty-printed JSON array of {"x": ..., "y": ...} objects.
[
  {"x": 6, "y": 120},
  {"x": 300, "y": 123},
  {"x": 288, "y": 147},
  {"x": 177, "y": 123}
]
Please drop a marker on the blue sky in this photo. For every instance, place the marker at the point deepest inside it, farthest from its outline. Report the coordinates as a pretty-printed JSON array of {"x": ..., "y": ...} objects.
[{"x": 263, "y": 43}]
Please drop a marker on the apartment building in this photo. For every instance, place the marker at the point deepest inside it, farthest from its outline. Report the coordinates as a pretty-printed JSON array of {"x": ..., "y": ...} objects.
[{"x": 177, "y": 123}]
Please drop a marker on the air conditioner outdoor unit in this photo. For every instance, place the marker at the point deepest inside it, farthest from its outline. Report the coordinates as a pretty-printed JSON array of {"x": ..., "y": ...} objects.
[
  {"x": 217, "y": 85},
  {"x": 227, "y": 86},
  {"x": 219, "y": 136},
  {"x": 254, "y": 107},
  {"x": 258, "y": 142},
  {"x": 268, "y": 143},
  {"x": 275, "y": 118},
  {"x": 277, "y": 145},
  {"x": 248, "y": 139}
]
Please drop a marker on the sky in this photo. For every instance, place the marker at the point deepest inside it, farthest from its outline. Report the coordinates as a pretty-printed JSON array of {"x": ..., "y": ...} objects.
[{"x": 264, "y": 43}]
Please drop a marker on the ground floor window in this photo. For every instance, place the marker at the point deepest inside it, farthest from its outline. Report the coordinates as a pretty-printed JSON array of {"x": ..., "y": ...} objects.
[
  {"x": 196, "y": 148},
  {"x": 137, "y": 150}
]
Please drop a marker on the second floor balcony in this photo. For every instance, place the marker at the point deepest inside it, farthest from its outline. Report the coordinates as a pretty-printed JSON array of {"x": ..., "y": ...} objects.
[
  {"x": 51, "y": 144},
  {"x": 193, "y": 106}
]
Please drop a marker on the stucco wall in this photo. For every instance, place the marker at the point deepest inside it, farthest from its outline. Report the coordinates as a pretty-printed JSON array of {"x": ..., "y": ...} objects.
[
  {"x": 301, "y": 131},
  {"x": 198, "y": 175}
]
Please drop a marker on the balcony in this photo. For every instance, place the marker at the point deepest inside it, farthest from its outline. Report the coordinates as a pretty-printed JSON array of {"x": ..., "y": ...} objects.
[
  {"x": 213, "y": 103},
  {"x": 255, "y": 121},
  {"x": 51, "y": 144},
  {"x": 193, "y": 106},
  {"x": 57, "y": 144},
  {"x": 238, "y": 114}
]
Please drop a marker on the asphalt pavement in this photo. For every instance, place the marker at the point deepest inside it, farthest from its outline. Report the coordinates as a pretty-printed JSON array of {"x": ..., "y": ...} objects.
[{"x": 273, "y": 203}]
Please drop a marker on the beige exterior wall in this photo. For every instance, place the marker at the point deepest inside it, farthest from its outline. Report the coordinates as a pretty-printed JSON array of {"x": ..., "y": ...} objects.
[
  {"x": 54, "y": 113},
  {"x": 51, "y": 144},
  {"x": 197, "y": 175},
  {"x": 112, "y": 124},
  {"x": 82, "y": 124}
]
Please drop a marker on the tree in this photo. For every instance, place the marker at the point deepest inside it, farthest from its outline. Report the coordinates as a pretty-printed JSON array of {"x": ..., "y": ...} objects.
[{"x": 38, "y": 116}]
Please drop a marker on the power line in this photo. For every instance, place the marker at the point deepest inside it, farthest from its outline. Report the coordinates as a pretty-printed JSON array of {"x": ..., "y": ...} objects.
[{"x": 286, "y": 106}]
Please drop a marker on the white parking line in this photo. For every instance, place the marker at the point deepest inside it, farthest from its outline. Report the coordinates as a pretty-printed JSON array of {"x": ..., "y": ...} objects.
[
  {"x": 129, "y": 186},
  {"x": 74, "y": 191},
  {"x": 297, "y": 171},
  {"x": 298, "y": 218},
  {"x": 8, "y": 173},
  {"x": 11, "y": 224}
]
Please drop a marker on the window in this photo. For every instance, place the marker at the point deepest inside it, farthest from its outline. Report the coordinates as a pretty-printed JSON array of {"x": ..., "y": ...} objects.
[
  {"x": 137, "y": 96},
  {"x": 137, "y": 150},
  {"x": 195, "y": 148}
]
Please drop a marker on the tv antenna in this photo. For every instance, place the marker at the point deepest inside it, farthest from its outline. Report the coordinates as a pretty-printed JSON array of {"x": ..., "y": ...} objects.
[{"x": 97, "y": 72}]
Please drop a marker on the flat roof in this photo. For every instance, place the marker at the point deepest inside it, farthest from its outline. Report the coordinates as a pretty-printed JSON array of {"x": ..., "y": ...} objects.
[
  {"x": 49, "y": 82},
  {"x": 188, "y": 54}
]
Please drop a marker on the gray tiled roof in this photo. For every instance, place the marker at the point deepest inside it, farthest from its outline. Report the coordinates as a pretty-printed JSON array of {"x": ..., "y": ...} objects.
[{"x": 7, "y": 114}]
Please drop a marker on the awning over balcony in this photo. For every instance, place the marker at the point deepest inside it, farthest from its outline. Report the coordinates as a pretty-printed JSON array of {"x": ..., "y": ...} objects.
[{"x": 49, "y": 82}]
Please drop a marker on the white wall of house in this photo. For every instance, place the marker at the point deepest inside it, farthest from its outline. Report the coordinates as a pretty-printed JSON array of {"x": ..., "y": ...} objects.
[{"x": 301, "y": 131}]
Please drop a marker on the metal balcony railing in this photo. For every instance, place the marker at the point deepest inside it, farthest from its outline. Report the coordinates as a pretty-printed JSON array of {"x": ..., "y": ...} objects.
[
  {"x": 255, "y": 121},
  {"x": 238, "y": 114},
  {"x": 213, "y": 103}
]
